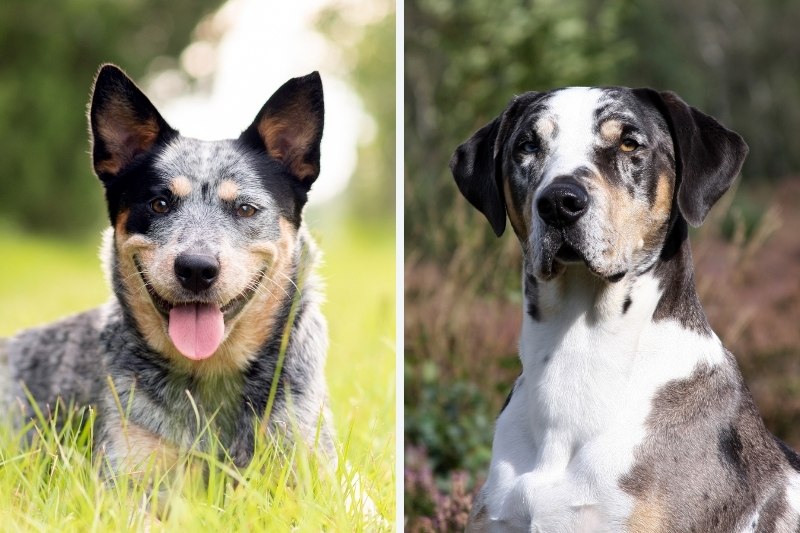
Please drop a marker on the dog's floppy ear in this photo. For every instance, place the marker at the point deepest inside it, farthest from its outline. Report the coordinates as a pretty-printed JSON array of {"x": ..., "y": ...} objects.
[
  {"x": 123, "y": 122},
  {"x": 475, "y": 170},
  {"x": 289, "y": 127},
  {"x": 708, "y": 156}
]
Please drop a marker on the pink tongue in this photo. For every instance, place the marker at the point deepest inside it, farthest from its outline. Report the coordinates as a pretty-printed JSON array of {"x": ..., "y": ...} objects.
[{"x": 196, "y": 329}]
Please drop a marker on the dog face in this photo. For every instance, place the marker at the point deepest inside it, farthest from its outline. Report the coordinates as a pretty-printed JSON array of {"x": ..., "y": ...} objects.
[
  {"x": 205, "y": 233},
  {"x": 593, "y": 176}
]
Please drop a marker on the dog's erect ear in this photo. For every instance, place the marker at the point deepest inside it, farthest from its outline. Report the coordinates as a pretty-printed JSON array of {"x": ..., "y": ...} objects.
[
  {"x": 708, "y": 156},
  {"x": 289, "y": 127},
  {"x": 475, "y": 170},
  {"x": 123, "y": 122}
]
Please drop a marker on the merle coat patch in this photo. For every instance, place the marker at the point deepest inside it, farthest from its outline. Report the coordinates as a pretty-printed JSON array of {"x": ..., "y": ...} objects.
[{"x": 629, "y": 414}]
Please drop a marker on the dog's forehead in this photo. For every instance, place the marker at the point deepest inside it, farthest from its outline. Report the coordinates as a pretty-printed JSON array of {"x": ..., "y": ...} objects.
[
  {"x": 572, "y": 107},
  {"x": 198, "y": 165},
  {"x": 579, "y": 110}
]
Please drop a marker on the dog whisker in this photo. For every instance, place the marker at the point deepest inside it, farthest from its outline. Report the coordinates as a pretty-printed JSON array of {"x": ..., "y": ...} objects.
[{"x": 290, "y": 280}]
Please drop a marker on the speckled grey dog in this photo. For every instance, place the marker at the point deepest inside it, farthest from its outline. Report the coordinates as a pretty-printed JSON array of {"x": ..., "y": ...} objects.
[
  {"x": 212, "y": 272},
  {"x": 630, "y": 415}
]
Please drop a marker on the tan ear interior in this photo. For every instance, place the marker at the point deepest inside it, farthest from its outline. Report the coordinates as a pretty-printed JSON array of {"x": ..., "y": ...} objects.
[
  {"x": 288, "y": 137},
  {"x": 124, "y": 135}
]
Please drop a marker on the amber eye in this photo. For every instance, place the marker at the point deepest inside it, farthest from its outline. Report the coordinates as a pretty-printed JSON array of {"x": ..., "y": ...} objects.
[
  {"x": 159, "y": 205},
  {"x": 628, "y": 145},
  {"x": 245, "y": 210}
]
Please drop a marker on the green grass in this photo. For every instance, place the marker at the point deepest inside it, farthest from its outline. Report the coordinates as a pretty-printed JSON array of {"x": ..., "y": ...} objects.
[
  {"x": 45, "y": 279},
  {"x": 55, "y": 484}
]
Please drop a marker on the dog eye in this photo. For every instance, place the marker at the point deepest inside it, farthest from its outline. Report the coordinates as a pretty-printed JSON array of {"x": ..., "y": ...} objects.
[
  {"x": 159, "y": 205},
  {"x": 628, "y": 145},
  {"x": 529, "y": 147},
  {"x": 246, "y": 210}
]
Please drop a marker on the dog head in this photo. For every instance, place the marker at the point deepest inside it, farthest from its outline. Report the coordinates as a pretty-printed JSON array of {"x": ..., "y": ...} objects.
[
  {"x": 596, "y": 176},
  {"x": 204, "y": 232}
]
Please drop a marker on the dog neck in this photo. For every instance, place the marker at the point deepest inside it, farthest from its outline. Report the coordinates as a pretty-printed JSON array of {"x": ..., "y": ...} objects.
[
  {"x": 593, "y": 351},
  {"x": 578, "y": 312}
]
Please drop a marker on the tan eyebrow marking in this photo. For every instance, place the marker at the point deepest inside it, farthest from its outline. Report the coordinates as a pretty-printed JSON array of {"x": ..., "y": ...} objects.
[
  {"x": 546, "y": 127},
  {"x": 180, "y": 186},
  {"x": 228, "y": 190},
  {"x": 611, "y": 130}
]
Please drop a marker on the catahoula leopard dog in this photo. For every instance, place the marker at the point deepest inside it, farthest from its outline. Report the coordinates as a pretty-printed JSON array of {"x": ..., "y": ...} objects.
[
  {"x": 215, "y": 314},
  {"x": 629, "y": 414}
]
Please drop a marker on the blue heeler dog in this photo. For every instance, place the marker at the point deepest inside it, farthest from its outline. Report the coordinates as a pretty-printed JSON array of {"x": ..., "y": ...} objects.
[{"x": 214, "y": 292}]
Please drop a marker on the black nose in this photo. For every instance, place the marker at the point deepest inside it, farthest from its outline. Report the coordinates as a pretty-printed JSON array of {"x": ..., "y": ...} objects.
[
  {"x": 196, "y": 272},
  {"x": 562, "y": 203}
]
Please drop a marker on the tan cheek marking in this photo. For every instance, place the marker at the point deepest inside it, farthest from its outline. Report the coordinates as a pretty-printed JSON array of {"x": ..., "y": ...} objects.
[
  {"x": 611, "y": 130},
  {"x": 663, "y": 203},
  {"x": 628, "y": 219},
  {"x": 257, "y": 321},
  {"x": 518, "y": 220},
  {"x": 180, "y": 186},
  {"x": 228, "y": 191},
  {"x": 637, "y": 224},
  {"x": 119, "y": 227},
  {"x": 148, "y": 320},
  {"x": 658, "y": 213},
  {"x": 255, "y": 324}
]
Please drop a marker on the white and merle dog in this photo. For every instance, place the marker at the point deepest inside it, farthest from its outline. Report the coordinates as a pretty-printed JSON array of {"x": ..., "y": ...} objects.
[
  {"x": 215, "y": 312},
  {"x": 629, "y": 415}
]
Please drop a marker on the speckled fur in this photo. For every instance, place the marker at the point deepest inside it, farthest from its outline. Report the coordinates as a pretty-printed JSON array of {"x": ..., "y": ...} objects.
[
  {"x": 121, "y": 355},
  {"x": 629, "y": 414}
]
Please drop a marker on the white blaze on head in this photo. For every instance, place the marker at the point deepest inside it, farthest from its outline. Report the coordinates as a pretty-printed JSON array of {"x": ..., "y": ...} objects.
[{"x": 573, "y": 111}]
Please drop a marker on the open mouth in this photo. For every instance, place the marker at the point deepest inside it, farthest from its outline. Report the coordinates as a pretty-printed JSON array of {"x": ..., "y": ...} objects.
[
  {"x": 232, "y": 308},
  {"x": 197, "y": 327}
]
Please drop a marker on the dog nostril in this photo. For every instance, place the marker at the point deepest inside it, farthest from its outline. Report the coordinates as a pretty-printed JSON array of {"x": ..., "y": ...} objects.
[
  {"x": 196, "y": 272},
  {"x": 562, "y": 203},
  {"x": 209, "y": 273},
  {"x": 545, "y": 207},
  {"x": 572, "y": 204}
]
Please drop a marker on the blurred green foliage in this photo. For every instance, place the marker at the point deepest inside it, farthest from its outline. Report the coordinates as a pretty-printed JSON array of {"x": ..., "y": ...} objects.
[
  {"x": 51, "y": 51},
  {"x": 734, "y": 59},
  {"x": 454, "y": 423},
  {"x": 464, "y": 60},
  {"x": 368, "y": 56}
]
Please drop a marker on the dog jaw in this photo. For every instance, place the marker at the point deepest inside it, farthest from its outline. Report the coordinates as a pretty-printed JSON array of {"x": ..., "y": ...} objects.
[
  {"x": 270, "y": 265},
  {"x": 630, "y": 203}
]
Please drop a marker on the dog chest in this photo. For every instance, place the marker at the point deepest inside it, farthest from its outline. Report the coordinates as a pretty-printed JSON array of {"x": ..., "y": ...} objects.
[
  {"x": 576, "y": 418},
  {"x": 550, "y": 477}
]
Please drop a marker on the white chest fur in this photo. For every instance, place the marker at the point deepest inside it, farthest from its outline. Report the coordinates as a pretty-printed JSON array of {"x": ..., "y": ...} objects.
[{"x": 579, "y": 409}]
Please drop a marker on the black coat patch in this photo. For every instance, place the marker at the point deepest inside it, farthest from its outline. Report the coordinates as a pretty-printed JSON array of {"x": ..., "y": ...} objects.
[
  {"x": 730, "y": 449},
  {"x": 626, "y": 304},
  {"x": 790, "y": 454},
  {"x": 675, "y": 271},
  {"x": 532, "y": 297}
]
